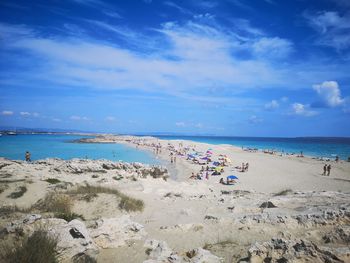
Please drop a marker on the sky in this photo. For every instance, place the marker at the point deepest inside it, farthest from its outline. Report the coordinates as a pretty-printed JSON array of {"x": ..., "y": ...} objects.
[{"x": 197, "y": 67}]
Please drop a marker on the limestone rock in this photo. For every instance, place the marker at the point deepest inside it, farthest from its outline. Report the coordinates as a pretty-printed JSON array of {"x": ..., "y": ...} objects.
[
  {"x": 281, "y": 250},
  {"x": 114, "y": 232},
  {"x": 72, "y": 238}
]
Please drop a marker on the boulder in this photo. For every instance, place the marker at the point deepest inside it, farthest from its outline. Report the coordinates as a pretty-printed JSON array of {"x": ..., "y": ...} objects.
[
  {"x": 73, "y": 239},
  {"x": 115, "y": 232}
]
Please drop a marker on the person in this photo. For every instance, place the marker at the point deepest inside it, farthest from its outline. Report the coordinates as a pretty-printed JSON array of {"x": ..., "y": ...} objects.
[
  {"x": 221, "y": 181},
  {"x": 193, "y": 176},
  {"x": 242, "y": 168},
  {"x": 328, "y": 169},
  {"x": 246, "y": 166},
  {"x": 324, "y": 169},
  {"x": 337, "y": 158},
  {"x": 207, "y": 175},
  {"x": 27, "y": 156}
]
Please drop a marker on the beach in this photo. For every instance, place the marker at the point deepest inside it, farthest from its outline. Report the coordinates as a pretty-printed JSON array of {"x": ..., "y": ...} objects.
[{"x": 281, "y": 208}]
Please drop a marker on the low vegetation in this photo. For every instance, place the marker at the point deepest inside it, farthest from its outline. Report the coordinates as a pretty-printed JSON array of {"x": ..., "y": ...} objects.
[
  {"x": 284, "y": 192},
  {"x": 52, "y": 180},
  {"x": 18, "y": 193},
  {"x": 38, "y": 248},
  {"x": 127, "y": 203},
  {"x": 59, "y": 204}
]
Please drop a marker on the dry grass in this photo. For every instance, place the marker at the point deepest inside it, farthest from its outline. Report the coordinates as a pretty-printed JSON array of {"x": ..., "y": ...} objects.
[
  {"x": 18, "y": 193},
  {"x": 127, "y": 203},
  {"x": 38, "y": 248},
  {"x": 59, "y": 204}
]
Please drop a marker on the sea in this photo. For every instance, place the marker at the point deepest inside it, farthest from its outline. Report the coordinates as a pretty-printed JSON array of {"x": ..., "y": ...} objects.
[{"x": 43, "y": 146}]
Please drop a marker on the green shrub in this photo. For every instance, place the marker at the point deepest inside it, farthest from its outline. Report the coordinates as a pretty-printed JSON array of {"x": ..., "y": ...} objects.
[{"x": 52, "y": 180}]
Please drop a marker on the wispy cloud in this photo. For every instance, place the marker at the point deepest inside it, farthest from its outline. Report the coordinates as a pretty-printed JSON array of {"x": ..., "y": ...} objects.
[
  {"x": 7, "y": 113},
  {"x": 180, "y": 124},
  {"x": 79, "y": 118},
  {"x": 179, "y": 8},
  {"x": 272, "y": 105},
  {"x": 110, "y": 119},
  {"x": 255, "y": 119},
  {"x": 334, "y": 29},
  {"x": 24, "y": 113},
  {"x": 302, "y": 110}
]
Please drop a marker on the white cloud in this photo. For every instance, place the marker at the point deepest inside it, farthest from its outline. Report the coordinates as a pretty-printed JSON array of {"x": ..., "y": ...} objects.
[
  {"x": 254, "y": 119},
  {"x": 273, "y": 47},
  {"x": 56, "y": 119},
  {"x": 193, "y": 56},
  {"x": 7, "y": 113},
  {"x": 24, "y": 113},
  {"x": 272, "y": 105},
  {"x": 78, "y": 118},
  {"x": 302, "y": 110},
  {"x": 333, "y": 28},
  {"x": 180, "y": 124},
  {"x": 329, "y": 93},
  {"x": 110, "y": 118}
]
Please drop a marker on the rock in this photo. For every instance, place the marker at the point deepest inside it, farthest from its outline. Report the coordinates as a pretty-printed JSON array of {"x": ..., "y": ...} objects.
[
  {"x": 267, "y": 205},
  {"x": 339, "y": 234},
  {"x": 17, "y": 226},
  {"x": 200, "y": 255},
  {"x": 73, "y": 238},
  {"x": 160, "y": 252},
  {"x": 210, "y": 217},
  {"x": 114, "y": 232},
  {"x": 281, "y": 250}
]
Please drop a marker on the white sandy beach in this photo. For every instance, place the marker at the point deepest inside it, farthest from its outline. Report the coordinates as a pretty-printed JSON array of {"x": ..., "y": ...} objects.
[{"x": 181, "y": 215}]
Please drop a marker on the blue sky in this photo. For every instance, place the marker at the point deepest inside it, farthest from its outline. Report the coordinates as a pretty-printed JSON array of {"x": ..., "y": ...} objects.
[{"x": 224, "y": 67}]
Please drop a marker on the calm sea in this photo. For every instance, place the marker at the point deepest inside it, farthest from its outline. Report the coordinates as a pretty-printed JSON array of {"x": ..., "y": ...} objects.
[
  {"x": 320, "y": 147},
  {"x": 60, "y": 146}
]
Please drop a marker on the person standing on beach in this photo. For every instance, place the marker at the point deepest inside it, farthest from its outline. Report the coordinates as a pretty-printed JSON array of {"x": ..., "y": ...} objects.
[
  {"x": 27, "y": 156},
  {"x": 328, "y": 169},
  {"x": 324, "y": 169}
]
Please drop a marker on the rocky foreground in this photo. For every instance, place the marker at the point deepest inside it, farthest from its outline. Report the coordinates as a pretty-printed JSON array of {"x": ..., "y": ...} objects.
[{"x": 118, "y": 212}]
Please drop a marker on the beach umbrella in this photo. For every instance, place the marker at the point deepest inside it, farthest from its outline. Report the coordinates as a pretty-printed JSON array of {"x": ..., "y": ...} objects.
[
  {"x": 204, "y": 158},
  {"x": 219, "y": 168},
  {"x": 216, "y": 163},
  {"x": 232, "y": 177}
]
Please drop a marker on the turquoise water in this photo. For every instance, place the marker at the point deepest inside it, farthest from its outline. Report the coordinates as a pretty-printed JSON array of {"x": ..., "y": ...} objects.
[
  {"x": 320, "y": 147},
  {"x": 50, "y": 146}
]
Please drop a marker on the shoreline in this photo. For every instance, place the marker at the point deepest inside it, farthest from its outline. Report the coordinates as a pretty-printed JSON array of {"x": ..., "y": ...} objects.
[{"x": 303, "y": 172}]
